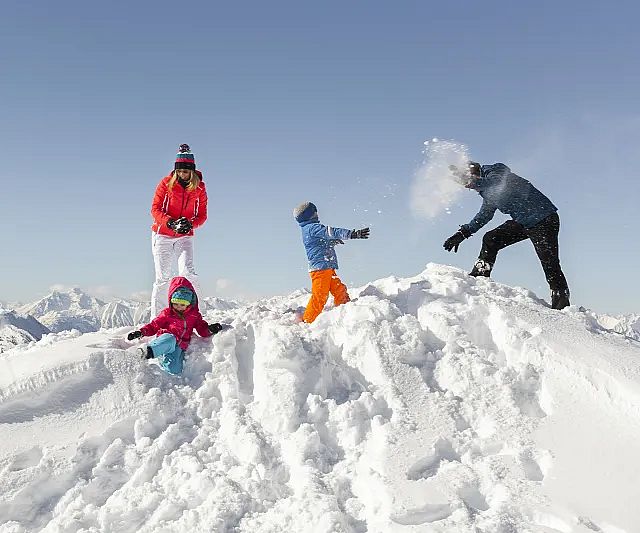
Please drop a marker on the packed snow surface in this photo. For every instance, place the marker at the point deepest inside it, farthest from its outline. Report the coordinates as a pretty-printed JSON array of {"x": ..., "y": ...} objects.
[{"x": 439, "y": 403}]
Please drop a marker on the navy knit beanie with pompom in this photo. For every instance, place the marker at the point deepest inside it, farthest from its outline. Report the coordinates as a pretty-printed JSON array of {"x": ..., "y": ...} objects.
[{"x": 185, "y": 159}]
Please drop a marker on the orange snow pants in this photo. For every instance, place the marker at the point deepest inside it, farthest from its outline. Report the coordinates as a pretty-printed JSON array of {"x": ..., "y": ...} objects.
[{"x": 324, "y": 282}]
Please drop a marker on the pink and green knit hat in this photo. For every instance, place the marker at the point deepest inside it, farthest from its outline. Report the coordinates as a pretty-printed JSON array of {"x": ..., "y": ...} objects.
[{"x": 185, "y": 158}]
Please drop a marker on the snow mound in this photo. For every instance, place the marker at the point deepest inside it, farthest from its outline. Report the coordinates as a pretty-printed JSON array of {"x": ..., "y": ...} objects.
[{"x": 436, "y": 403}]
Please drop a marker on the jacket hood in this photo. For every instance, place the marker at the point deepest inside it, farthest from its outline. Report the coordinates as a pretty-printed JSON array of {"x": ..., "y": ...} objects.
[
  {"x": 490, "y": 174},
  {"x": 178, "y": 282},
  {"x": 306, "y": 212}
]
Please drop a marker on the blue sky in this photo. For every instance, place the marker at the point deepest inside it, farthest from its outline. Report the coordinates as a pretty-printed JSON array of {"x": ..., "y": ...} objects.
[{"x": 283, "y": 102}]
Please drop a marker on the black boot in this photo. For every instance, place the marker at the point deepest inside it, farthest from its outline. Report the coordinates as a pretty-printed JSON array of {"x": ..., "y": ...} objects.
[
  {"x": 481, "y": 268},
  {"x": 146, "y": 353},
  {"x": 560, "y": 299}
]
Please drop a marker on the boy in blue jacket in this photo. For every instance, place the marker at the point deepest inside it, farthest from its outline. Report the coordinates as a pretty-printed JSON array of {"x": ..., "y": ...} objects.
[
  {"x": 319, "y": 242},
  {"x": 533, "y": 217}
]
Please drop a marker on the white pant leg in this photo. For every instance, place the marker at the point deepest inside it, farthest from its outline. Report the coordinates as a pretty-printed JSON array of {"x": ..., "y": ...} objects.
[
  {"x": 163, "y": 258},
  {"x": 184, "y": 251}
]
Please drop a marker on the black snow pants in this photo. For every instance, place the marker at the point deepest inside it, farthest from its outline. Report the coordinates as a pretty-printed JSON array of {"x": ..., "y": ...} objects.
[{"x": 544, "y": 237}]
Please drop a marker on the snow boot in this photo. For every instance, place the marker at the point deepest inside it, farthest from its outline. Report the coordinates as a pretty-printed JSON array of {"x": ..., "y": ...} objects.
[
  {"x": 145, "y": 353},
  {"x": 481, "y": 269},
  {"x": 560, "y": 299}
]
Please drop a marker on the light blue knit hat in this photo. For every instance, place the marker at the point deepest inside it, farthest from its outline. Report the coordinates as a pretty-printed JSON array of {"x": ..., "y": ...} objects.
[{"x": 182, "y": 295}]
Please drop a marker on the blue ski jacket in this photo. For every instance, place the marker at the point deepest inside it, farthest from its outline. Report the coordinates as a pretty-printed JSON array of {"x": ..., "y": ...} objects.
[
  {"x": 512, "y": 195},
  {"x": 319, "y": 243}
]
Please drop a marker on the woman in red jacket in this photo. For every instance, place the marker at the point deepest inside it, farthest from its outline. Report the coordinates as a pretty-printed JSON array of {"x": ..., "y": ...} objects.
[{"x": 179, "y": 206}]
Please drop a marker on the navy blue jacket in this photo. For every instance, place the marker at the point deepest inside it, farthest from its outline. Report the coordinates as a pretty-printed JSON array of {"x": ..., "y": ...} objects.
[
  {"x": 503, "y": 190},
  {"x": 319, "y": 242}
]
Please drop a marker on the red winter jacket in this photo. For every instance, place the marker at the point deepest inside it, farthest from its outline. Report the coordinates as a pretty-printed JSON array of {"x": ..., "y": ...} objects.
[
  {"x": 178, "y": 202},
  {"x": 179, "y": 325}
]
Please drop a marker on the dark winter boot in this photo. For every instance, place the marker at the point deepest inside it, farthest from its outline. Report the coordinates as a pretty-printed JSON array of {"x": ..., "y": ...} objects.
[
  {"x": 481, "y": 268},
  {"x": 146, "y": 353},
  {"x": 560, "y": 299}
]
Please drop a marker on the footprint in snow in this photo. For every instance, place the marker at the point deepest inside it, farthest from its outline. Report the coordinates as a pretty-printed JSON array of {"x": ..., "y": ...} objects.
[
  {"x": 428, "y": 466},
  {"x": 428, "y": 513}
]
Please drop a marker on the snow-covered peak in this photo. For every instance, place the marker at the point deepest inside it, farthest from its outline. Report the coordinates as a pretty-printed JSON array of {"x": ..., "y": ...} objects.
[
  {"x": 12, "y": 336},
  {"x": 628, "y": 325},
  {"x": 213, "y": 303},
  {"x": 24, "y": 322},
  {"x": 439, "y": 403},
  {"x": 64, "y": 310},
  {"x": 115, "y": 315},
  {"x": 16, "y": 329},
  {"x": 72, "y": 300}
]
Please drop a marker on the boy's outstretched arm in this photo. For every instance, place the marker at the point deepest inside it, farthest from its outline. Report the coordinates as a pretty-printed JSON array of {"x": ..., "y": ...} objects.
[
  {"x": 337, "y": 234},
  {"x": 332, "y": 233}
]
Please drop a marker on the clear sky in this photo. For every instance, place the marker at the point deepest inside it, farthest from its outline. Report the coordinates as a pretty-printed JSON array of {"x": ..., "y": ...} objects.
[{"x": 331, "y": 102}]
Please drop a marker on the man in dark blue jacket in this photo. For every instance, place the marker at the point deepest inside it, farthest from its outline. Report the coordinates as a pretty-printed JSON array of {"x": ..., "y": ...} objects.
[{"x": 533, "y": 217}]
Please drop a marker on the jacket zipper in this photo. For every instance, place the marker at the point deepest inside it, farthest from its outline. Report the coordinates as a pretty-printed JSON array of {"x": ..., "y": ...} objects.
[
  {"x": 184, "y": 329},
  {"x": 184, "y": 193}
]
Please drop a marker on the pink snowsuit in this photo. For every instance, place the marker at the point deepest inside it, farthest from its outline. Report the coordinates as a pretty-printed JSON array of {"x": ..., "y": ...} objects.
[{"x": 179, "y": 325}]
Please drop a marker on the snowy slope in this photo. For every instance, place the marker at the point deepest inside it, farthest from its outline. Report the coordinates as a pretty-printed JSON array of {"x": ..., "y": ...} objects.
[{"x": 440, "y": 403}]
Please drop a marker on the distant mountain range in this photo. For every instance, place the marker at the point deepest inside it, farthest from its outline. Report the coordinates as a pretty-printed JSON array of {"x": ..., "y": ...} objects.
[{"x": 74, "y": 309}]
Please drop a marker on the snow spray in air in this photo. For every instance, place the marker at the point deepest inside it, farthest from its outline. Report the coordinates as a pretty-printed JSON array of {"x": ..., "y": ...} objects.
[{"x": 434, "y": 188}]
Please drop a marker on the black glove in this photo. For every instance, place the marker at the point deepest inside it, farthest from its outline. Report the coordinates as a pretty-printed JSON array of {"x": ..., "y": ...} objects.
[
  {"x": 454, "y": 241},
  {"x": 360, "y": 233},
  {"x": 134, "y": 335},
  {"x": 215, "y": 328},
  {"x": 183, "y": 225}
]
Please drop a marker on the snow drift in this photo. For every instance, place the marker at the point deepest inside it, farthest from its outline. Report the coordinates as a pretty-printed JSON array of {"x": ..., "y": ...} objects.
[{"x": 436, "y": 403}]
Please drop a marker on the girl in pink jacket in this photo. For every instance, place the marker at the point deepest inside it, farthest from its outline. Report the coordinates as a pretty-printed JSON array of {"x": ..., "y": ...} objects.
[{"x": 173, "y": 327}]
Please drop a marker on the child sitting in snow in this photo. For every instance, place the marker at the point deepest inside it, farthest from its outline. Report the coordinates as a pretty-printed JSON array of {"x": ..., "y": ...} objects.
[
  {"x": 173, "y": 327},
  {"x": 319, "y": 242}
]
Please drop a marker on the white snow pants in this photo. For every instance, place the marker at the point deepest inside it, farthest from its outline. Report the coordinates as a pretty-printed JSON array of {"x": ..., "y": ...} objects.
[{"x": 165, "y": 252}]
